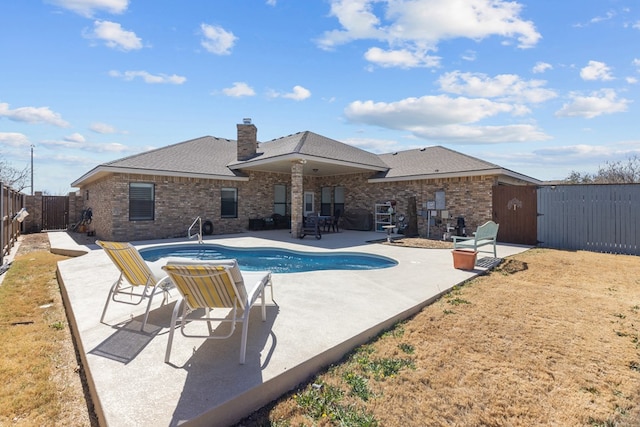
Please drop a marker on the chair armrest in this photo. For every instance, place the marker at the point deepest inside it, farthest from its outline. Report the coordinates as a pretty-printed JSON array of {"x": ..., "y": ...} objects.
[{"x": 456, "y": 238}]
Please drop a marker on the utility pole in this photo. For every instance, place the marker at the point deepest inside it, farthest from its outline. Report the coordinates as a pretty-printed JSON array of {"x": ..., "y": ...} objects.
[{"x": 32, "y": 169}]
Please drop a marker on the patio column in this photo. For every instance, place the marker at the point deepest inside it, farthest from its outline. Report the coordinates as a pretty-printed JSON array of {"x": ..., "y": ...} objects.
[{"x": 297, "y": 191}]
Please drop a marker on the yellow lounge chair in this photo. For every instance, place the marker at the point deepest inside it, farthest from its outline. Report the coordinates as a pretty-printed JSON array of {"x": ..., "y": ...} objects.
[
  {"x": 140, "y": 282},
  {"x": 215, "y": 284}
]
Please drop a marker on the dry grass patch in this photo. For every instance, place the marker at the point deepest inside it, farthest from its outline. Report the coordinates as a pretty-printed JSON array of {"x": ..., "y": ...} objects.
[
  {"x": 548, "y": 338},
  {"x": 39, "y": 375}
]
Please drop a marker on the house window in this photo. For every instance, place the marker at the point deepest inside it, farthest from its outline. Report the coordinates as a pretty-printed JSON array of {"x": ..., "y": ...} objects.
[
  {"x": 141, "y": 201},
  {"x": 338, "y": 199},
  {"x": 280, "y": 199},
  {"x": 229, "y": 203},
  {"x": 325, "y": 201}
]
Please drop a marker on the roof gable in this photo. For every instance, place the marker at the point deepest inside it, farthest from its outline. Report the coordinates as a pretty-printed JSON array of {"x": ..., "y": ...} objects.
[{"x": 309, "y": 144}]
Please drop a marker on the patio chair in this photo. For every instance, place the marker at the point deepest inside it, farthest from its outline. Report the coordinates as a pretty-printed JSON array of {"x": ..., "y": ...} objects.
[
  {"x": 332, "y": 223},
  {"x": 136, "y": 279},
  {"x": 210, "y": 285}
]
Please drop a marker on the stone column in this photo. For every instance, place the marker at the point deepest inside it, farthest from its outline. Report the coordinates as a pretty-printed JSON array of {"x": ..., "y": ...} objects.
[{"x": 297, "y": 194}]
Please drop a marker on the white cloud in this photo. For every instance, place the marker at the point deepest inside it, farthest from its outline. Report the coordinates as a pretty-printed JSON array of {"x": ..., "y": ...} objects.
[
  {"x": 239, "y": 89},
  {"x": 604, "y": 101},
  {"x": 470, "y": 55},
  {"x": 631, "y": 80},
  {"x": 149, "y": 78},
  {"x": 14, "y": 139},
  {"x": 505, "y": 87},
  {"x": 379, "y": 145},
  {"x": 609, "y": 15},
  {"x": 426, "y": 111},
  {"x": 115, "y": 36},
  {"x": 271, "y": 2},
  {"x": 401, "y": 58},
  {"x": 32, "y": 115},
  {"x": 459, "y": 134},
  {"x": 541, "y": 67},
  {"x": 217, "y": 40},
  {"x": 445, "y": 118},
  {"x": 76, "y": 138},
  {"x": 88, "y": 7},
  {"x": 596, "y": 71},
  {"x": 418, "y": 26},
  {"x": 78, "y": 142},
  {"x": 299, "y": 93},
  {"x": 102, "y": 128}
]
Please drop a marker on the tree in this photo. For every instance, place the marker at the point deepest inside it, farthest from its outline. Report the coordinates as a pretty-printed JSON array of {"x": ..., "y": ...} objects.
[
  {"x": 620, "y": 172},
  {"x": 12, "y": 177}
]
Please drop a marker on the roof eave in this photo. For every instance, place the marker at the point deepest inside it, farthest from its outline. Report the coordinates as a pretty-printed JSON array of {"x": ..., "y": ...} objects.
[
  {"x": 459, "y": 174},
  {"x": 102, "y": 171},
  {"x": 296, "y": 156}
]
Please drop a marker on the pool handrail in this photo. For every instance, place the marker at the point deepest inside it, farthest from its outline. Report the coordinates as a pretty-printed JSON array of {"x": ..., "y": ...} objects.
[{"x": 198, "y": 220}]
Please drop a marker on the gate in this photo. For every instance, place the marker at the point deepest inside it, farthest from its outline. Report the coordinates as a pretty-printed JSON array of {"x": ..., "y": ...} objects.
[
  {"x": 515, "y": 208},
  {"x": 55, "y": 213}
]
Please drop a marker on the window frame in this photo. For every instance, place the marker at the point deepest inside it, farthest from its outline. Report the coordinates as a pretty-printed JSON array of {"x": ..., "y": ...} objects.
[
  {"x": 142, "y": 208},
  {"x": 280, "y": 206},
  {"x": 226, "y": 203}
]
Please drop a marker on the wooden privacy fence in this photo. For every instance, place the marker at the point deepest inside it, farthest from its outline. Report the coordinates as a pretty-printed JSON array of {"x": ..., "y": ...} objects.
[
  {"x": 11, "y": 202},
  {"x": 599, "y": 218}
]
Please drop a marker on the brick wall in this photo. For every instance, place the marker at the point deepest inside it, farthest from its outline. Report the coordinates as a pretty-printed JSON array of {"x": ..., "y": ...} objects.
[
  {"x": 178, "y": 201},
  {"x": 33, "y": 204}
]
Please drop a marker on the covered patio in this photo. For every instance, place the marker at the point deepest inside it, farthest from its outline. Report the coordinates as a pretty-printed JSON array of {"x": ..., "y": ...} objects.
[{"x": 317, "y": 317}]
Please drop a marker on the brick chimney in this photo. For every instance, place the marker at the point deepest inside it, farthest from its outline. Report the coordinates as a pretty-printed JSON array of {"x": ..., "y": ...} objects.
[{"x": 247, "y": 140}]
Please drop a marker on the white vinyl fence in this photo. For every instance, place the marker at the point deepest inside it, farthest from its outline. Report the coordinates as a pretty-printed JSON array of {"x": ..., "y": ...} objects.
[{"x": 598, "y": 218}]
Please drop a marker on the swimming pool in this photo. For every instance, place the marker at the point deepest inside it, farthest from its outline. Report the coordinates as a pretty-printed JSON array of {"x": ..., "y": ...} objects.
[{"x": 273, "y": 259}]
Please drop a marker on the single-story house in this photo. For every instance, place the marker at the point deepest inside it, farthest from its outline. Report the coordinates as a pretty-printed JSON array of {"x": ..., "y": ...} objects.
[{"x": 230, "y": 184}]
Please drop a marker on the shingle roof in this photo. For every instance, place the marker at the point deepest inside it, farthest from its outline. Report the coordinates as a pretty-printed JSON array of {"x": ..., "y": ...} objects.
[
  {"x": 314, "y": 145},
  {"x": 431, "y": 161},
  {"x": 206, "y": 155},
  {"x": 217, "y": 158}
]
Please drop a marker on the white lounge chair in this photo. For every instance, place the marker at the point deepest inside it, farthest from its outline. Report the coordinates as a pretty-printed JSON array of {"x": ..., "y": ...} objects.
[
  {"x": 136, "y": 279},
  {"x": 215, "y": 284}
]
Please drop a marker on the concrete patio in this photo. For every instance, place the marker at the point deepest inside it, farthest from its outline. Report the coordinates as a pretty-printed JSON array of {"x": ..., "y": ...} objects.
[{"x": 317, "y": 317}]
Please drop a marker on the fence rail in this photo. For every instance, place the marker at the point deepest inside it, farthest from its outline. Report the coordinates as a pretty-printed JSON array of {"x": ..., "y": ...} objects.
[
  {"x": 598, "y": 218},
  {"x": 11, "y": 202}
]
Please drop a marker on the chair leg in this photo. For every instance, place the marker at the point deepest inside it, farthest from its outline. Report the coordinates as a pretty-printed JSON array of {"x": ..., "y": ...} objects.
[
  {"x": 109, "y": 296},
  {"x": 245, "y": 332},
  {"x": 172, "y": 329},
  {"x": 264, "y": 305},
  {"x": 146, "y": 313}
]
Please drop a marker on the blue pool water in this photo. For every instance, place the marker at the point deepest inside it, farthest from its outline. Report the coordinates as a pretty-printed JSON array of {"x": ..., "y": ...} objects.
[{"x": 275, "y": 260}]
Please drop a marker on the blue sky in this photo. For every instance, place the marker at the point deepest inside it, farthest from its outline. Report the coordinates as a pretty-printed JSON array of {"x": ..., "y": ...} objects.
[{"x": 541, "y": 87}]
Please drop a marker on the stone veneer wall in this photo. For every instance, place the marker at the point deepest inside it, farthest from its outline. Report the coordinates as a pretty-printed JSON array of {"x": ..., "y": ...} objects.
[{"x": 180, "y": 200}]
